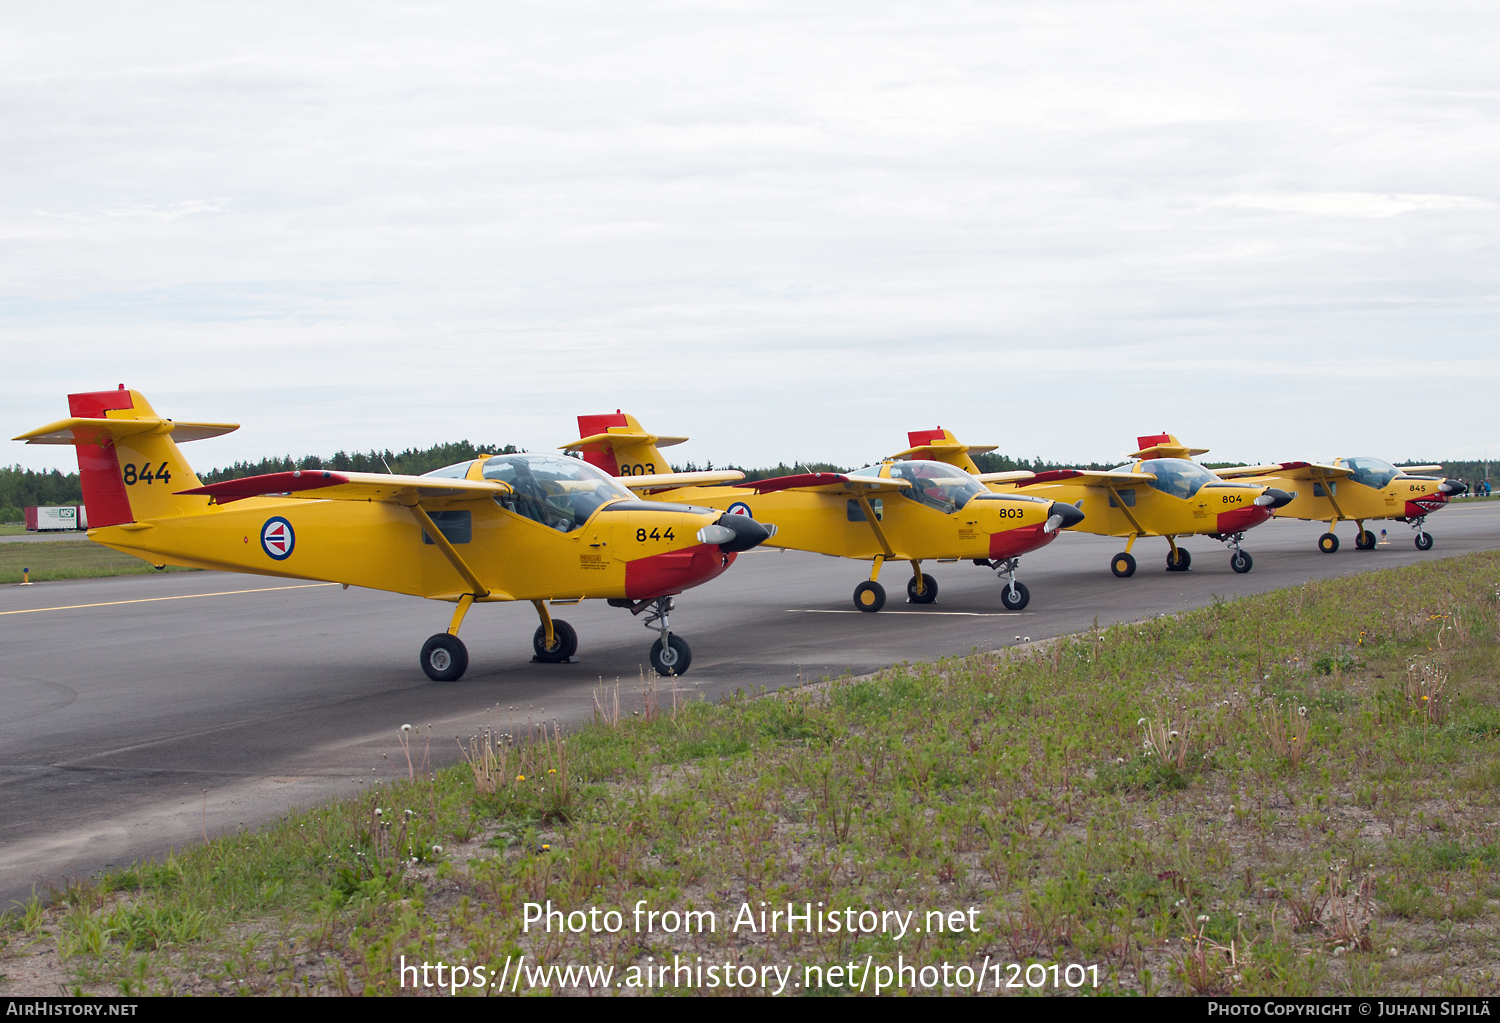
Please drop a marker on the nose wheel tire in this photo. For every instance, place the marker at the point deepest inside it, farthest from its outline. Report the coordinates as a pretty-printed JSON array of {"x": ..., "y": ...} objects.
[
  {"x": 1123, "y": 565},
  {"x": 1328, "y": 543},
  {"x": 564, "y": 642},
  {"x": 869, "y": 596},
  {"x": 1178, "y": 560},
  {"x": 1241, "y": 562},
  {"x": 672, "y": 658},
  {"x": 928, "y": 594},
  {"x": 1364, "y": 541},
  {"x": 1424, "y": 541},
  {"x": 445, "y": 658},
  {"x": 1015, "y": 601}
]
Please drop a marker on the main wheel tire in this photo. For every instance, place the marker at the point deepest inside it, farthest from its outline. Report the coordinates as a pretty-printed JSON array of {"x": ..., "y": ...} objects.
[
  {"x": 1016, "y": 601},
  {"x": 1183, "y": 558},
  {"x": 1424, "y": 541},
  {"x": 564, "y": 642},
  {"x": 929, "y": 590},
  {"x": 1364, "y": 540},
  {"x": 1123, "y": 565},
  {"x": 445, "y": 658},
  {"x": 1328, "y": 543},
  {"x": 674, "y": 658},
  {"x": 1241, "y": 562},
  {"x": 869, "y": 596}
]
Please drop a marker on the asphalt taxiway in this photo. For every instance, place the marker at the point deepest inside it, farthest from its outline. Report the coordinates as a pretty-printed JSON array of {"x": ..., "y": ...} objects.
[{"x": 142, "y": 712}]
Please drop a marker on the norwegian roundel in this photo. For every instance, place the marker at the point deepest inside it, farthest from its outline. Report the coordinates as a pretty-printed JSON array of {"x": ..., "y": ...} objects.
[
  {"x": 740, "y": 508},
  {"x": 277, "y": 538}
]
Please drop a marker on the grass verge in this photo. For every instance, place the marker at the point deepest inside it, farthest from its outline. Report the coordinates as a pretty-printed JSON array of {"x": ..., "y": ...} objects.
[
  {"x": 1292, "y": 793},
  {"x": 70, "y": 559}
]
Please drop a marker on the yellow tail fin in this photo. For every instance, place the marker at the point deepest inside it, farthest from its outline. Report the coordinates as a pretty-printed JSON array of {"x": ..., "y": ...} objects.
[
  {"x": 621, "y": 446},
  {"x": 128, "y": 461}
]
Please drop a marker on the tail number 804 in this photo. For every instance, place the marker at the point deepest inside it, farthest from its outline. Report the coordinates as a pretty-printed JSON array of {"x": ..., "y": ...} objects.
[{"x": 642, "y": 535}]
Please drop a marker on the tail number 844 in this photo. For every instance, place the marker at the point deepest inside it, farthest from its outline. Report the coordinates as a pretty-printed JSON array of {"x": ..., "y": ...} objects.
[
  {"x": 145, "y": 475},
  {"x": 642, "y": 535}
]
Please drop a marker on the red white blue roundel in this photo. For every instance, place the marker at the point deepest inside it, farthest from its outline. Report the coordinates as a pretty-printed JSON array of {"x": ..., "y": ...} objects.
[
  {"x": 741, "y": 508},
  {"x": 277, "y": 538}
]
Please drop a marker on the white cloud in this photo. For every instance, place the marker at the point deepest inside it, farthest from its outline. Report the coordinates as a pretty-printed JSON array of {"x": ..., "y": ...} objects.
[{"x": 789, "y": 230}]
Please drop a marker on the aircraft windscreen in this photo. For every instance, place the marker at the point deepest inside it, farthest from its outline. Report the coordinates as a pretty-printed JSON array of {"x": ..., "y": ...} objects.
[
  {"x": 555, "y": 491},
  {"x": 456, "y": 471},
  {"x": 936, "y": 484},
  {"x": 1372, "y": 472},
  {"x": 1177, "y": 476}
]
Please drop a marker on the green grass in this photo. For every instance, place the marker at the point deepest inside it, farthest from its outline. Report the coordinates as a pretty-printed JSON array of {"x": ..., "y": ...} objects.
[
  {"x": 1291, "y": 793},
  {"x": 12, "y": 529},
  {"x": 69, "y": 559}
]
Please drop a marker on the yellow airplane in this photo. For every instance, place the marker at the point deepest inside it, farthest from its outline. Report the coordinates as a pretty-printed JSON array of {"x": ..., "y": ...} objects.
[
  {"x": 542, "y": 528},
  {"x": 1164, "y": 493},
  {"x": 935, "y": 512},
  {"x": 1372, "y": 489}
]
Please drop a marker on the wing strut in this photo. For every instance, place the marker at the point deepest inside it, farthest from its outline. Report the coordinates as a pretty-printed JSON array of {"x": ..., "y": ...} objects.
[
  {"x": 864, "y": 506},
  {"x": 454, "y": 558}
]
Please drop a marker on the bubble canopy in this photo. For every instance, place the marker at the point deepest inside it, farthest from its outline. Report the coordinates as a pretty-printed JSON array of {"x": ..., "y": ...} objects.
[
  {"x": 945, "y": 488},
  {"x": 554, "y": 490}
]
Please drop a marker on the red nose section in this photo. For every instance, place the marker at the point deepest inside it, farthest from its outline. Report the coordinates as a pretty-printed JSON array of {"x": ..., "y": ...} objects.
[
  {"x": 1425, "y": 505},
  {"x": 1241, "y": 519},
  {"x": 1018, "y": 541},
  {"x": 663, "y": 574}
]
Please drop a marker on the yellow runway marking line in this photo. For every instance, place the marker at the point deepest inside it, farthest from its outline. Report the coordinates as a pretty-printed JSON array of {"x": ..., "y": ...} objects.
[
  {"x": 148, "y": 600},
  {"x": 955, "y": 614}
]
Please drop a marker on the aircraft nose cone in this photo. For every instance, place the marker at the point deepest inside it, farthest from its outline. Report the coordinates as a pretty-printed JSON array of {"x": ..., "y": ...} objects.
[
  {"x": 1274, "y": 498},
  {"x": 1454, "y": 487},
  {"x": 747, "y": 533},
  {"x": 1065, "y": 514}
]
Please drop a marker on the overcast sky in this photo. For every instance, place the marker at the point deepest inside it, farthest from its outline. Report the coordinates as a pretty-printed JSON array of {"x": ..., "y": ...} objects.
[{"x": 791, "y": 231}]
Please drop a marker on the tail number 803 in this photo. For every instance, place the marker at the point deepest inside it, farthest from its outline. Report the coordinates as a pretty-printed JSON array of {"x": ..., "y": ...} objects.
[{"x": 642, "y": 535}]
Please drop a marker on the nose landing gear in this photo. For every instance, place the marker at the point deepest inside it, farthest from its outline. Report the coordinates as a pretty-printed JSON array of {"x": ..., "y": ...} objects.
[{"x": 1240, "y": 561}]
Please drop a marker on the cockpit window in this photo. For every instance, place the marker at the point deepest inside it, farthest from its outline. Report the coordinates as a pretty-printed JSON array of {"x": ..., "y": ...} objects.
[
  {"x": 1372, "y": 472},
  {"x": 557, "y": 492},
  {"x": 936, "y": 484},
  {"x": 1177, "y": 476},
  {"x": 456, "y": 471}
]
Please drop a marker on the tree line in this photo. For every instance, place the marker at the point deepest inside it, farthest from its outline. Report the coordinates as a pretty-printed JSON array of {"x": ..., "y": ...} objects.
[{"x": 20, "y": 487}]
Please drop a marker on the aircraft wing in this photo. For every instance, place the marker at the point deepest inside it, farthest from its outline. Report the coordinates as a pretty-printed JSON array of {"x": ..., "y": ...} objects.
[
  {"x": 1088, "y": 478},
  {"x": 91, "y": 431},
  {"x": 1004, "y": 477},
  {"x": 827, "y": 483},
  {"x": 326, "y": 485},
  {"x": 1240, "y": 471},
  {"x": 673, "y": 480},
  {"x": 1287, "y": 471}
]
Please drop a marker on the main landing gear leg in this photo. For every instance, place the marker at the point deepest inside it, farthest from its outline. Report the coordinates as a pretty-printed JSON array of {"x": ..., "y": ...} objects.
[
  {"x": 444, "y": 656},
  {"x": 870, "y": 596},
  {"x": 670, "y": 654},
  {"x": 555, "y": 641},
  {"x": 1328, "y": 542},
  {"x": 1178, "y": 558},
  {"x": 922, "y": 589},
  {"x": 1424, "y": 538},
  {"x": 1364, "y": 540}
]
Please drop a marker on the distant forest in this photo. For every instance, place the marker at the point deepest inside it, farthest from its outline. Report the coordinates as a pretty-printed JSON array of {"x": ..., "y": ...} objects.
[{"x": 22, "y": 487}]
